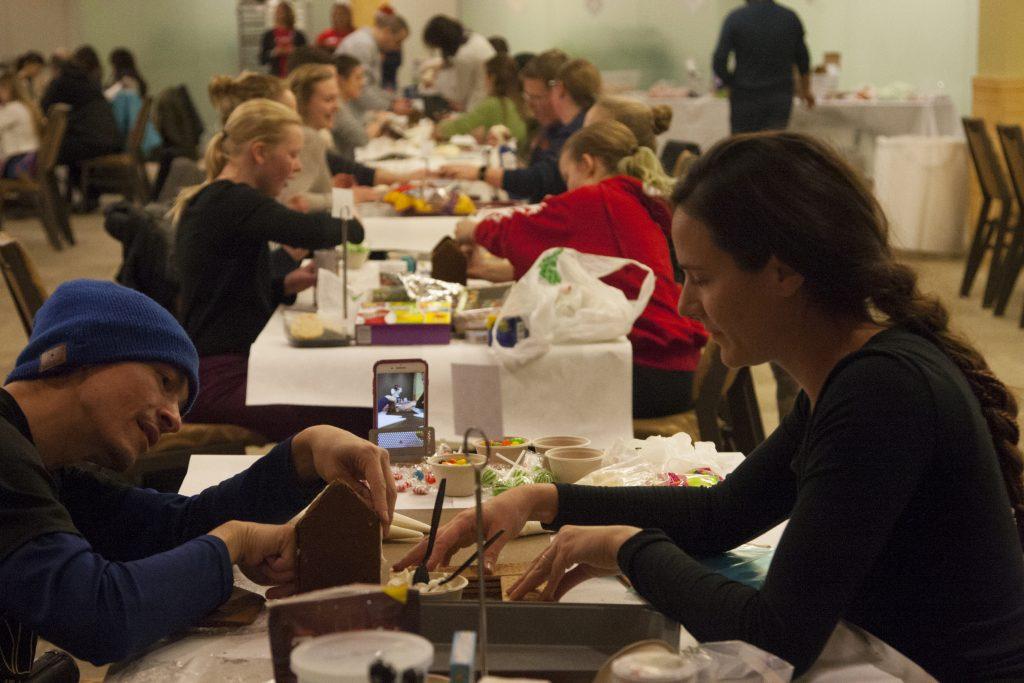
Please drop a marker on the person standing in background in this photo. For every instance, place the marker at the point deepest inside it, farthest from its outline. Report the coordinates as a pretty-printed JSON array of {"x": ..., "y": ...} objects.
[
  {"x": 767, "y": 40},
  {"x": 279, "y": 42},
  {"x": 341, "y": 26},
  {"x": 370, "y": 45}
]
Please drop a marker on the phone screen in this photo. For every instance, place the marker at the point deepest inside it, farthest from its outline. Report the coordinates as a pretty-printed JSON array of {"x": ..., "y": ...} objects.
[{"x": 401, "y": 405}]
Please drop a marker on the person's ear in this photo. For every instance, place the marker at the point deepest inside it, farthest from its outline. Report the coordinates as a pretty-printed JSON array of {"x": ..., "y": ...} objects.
[
  {"x": 588, "y": 165},
  {"x": 258, "y": 151},
  {"x": 787, "y": 280}
]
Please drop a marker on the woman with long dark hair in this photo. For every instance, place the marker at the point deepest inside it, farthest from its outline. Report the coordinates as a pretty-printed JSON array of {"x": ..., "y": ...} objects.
[
  {"x": 281, "y": 41},
  {"x": 125, "y": 74},
  {"x": 898, "y": 470}
]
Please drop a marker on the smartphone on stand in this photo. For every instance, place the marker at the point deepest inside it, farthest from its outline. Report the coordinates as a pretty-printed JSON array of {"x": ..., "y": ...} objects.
[{"x": 400, "y": 409}]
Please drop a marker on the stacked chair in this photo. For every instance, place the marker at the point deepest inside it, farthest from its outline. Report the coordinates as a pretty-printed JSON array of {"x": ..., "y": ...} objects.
[{"x": 999, "y": 230}]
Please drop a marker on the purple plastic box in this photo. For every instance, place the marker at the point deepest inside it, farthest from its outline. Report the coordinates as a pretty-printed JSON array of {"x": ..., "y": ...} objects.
[{"x": 403, "y": 335}]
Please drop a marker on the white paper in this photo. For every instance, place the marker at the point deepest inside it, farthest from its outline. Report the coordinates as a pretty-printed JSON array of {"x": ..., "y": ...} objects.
[
  {"x": 343, "y": 202},
  {"x": 476, "y": 399},
  {"x": 205, "y": 471},
  {"x": 329, "y": 295}
]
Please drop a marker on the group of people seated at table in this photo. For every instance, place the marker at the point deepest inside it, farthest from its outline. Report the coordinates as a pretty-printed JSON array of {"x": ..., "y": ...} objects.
[
  {"x": 898, "y": 471},
  {"x": 100, "y": 115}
]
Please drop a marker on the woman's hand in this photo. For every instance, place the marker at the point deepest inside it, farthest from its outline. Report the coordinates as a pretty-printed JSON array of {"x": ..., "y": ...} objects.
[
  {"x": 593, "y": 550},
  {"x": 331, "y": 453},
  {"x": 460, "y": 171},
  {"x": 296, "y": 253},
  {"x": 483, "y": 265},
  {"x": 298, "y": 203},
  {"x": 264, "y": 552},
  {"x": 300, "y": 279},
  {"x": 507, "y": 512}
]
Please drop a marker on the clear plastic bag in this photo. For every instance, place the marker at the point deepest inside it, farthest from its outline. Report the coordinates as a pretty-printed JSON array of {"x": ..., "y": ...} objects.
[{"x": 649, "y": 462}]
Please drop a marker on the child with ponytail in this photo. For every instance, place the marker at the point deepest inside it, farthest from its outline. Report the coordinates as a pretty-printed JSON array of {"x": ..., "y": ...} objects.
[
  {"x": 228, "y": 287},
  {"x": 612, "y": 208}
]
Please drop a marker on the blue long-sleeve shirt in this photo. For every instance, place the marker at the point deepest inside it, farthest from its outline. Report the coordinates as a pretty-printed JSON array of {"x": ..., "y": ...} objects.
[
  {"x": 768, "y": 40},
  {"x": 542, "y": 176},
  {"x": 112, "y": 568}
]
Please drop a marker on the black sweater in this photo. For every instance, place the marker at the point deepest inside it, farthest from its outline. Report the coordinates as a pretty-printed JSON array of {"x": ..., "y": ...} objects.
[
  {"x": 898, "y": 522},
  {"x": 768, "y": 41},
  {"x": 92, "y": 130},
  {"x": 228, "y": 291}
]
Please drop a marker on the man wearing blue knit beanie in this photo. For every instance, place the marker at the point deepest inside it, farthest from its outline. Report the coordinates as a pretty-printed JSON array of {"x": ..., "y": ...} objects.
[{"x": 102, "y": 569}]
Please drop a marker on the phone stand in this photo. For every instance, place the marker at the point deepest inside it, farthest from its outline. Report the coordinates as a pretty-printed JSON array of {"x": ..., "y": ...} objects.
[{"x": 413, "y": 454}]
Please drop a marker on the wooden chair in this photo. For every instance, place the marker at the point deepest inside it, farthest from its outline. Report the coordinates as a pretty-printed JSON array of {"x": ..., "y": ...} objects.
[
  {"x": 1012, "y": 141},
  {"x": 125, "y": 172},
  {"x": 990, "y": 232},
  {"x": 42, "y": 187},
  {"x": 22, "y": 280},
  {"x": 725, "y": 408}
]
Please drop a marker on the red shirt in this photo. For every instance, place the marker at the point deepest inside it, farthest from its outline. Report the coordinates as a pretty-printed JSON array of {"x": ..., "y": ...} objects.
[
  {"x": 330, "y": 38},
  {"x": 612, "y": 218}
]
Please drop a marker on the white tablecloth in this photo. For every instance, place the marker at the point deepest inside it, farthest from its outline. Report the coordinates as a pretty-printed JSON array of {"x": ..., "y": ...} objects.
[
  {"x": 407, "y": 233},
  {"x": 583, "y": 389}
]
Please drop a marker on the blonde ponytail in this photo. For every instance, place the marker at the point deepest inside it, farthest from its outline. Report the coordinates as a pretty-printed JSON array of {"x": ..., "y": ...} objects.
[
  {"x": 646, "y": 122},
  {"x": 617, "y": 148},
  {"x": 645, "y": 167},
  {"x": 259, "y": 120}
]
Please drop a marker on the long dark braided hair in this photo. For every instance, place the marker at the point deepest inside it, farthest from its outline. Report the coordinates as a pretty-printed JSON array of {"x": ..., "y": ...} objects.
[{"x": 788, "y": 195}]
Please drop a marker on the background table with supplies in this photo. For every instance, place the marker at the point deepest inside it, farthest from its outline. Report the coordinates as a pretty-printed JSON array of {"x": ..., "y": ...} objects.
[
  {"x": 850, "y": 124},
  {"x": 573, "y": 389}
]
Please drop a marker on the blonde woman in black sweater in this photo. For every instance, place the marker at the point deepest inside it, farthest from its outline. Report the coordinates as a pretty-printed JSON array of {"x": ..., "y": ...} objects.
[{"x": 228, "y": 289}]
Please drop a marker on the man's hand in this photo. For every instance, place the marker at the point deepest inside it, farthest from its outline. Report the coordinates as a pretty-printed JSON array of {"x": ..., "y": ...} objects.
[
  {"x": 300, "y": 279},
  {"x": 264, "y": 552},
  {"x": 331, "y": 453}
]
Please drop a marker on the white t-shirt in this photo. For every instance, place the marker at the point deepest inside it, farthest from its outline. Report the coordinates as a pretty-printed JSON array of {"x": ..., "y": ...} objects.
[
  {"x": 467, "y": 67},
  {"x": 17, "y": 133}
]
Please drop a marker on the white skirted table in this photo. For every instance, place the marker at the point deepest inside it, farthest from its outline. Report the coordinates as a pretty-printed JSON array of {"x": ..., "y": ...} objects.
[
  {"x": 846, "y": 123},
  {"x": 574, "y": 389}
]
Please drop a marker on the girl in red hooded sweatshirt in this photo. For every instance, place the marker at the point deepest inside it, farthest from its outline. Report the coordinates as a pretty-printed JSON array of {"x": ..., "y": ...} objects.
[{"x": 609, "y": 210}]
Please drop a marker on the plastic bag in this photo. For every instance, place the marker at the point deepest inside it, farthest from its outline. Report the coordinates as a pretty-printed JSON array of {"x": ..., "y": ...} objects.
[
  {"x": 648, "y": 462},
  {"x": 561, "y": 299}
]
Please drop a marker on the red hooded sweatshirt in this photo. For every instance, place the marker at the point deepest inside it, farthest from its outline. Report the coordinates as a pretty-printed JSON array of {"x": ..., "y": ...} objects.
[{"x": 614, "y": 217}]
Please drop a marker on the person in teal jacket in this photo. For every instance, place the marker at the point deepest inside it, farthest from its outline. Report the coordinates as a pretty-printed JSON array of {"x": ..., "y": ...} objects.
[{"x": 502, "y": 106}]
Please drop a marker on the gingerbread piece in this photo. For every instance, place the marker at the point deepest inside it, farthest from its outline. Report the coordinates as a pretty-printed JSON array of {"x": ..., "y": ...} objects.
[
  {"x": 338, "y": 539},
  {"x": 447, "y": 262}
]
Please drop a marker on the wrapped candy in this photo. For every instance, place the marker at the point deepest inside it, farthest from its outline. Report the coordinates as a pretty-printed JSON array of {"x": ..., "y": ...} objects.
[
  {"x": 421, "y": 490},
  {"x": 402, "y": 485}
]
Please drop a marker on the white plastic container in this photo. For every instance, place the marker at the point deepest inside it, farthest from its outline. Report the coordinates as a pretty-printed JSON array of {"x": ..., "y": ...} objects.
[
  {"x": 653, "y": 667},
  {"x": 346, "y": 657}
]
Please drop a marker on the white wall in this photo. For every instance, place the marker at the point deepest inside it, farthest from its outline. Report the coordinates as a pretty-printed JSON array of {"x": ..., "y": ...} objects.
[
  {"x": 921, "y": 42},
  {"x": 41, "y": 25}
]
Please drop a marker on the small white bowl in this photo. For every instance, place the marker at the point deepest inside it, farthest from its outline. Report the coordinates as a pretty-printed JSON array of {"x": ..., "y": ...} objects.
[
  {"x": 460, "y": 477},
  {"x": 569, "y": 464},
  {"x": 450, "y": 591},
  {"x": 546, "y": 443}
]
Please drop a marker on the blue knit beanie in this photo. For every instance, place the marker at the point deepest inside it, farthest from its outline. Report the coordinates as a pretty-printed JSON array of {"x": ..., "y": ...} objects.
[{"x": 91, "y": 322}]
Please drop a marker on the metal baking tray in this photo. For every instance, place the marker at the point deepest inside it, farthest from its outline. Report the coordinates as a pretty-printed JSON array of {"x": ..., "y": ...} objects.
[{"x": 560, "y": 642}]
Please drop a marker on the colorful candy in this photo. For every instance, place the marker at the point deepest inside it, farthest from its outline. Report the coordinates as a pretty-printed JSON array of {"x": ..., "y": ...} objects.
[
  {"x": 421, "y": 490},
  {"x": 402, "y": 485}
]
